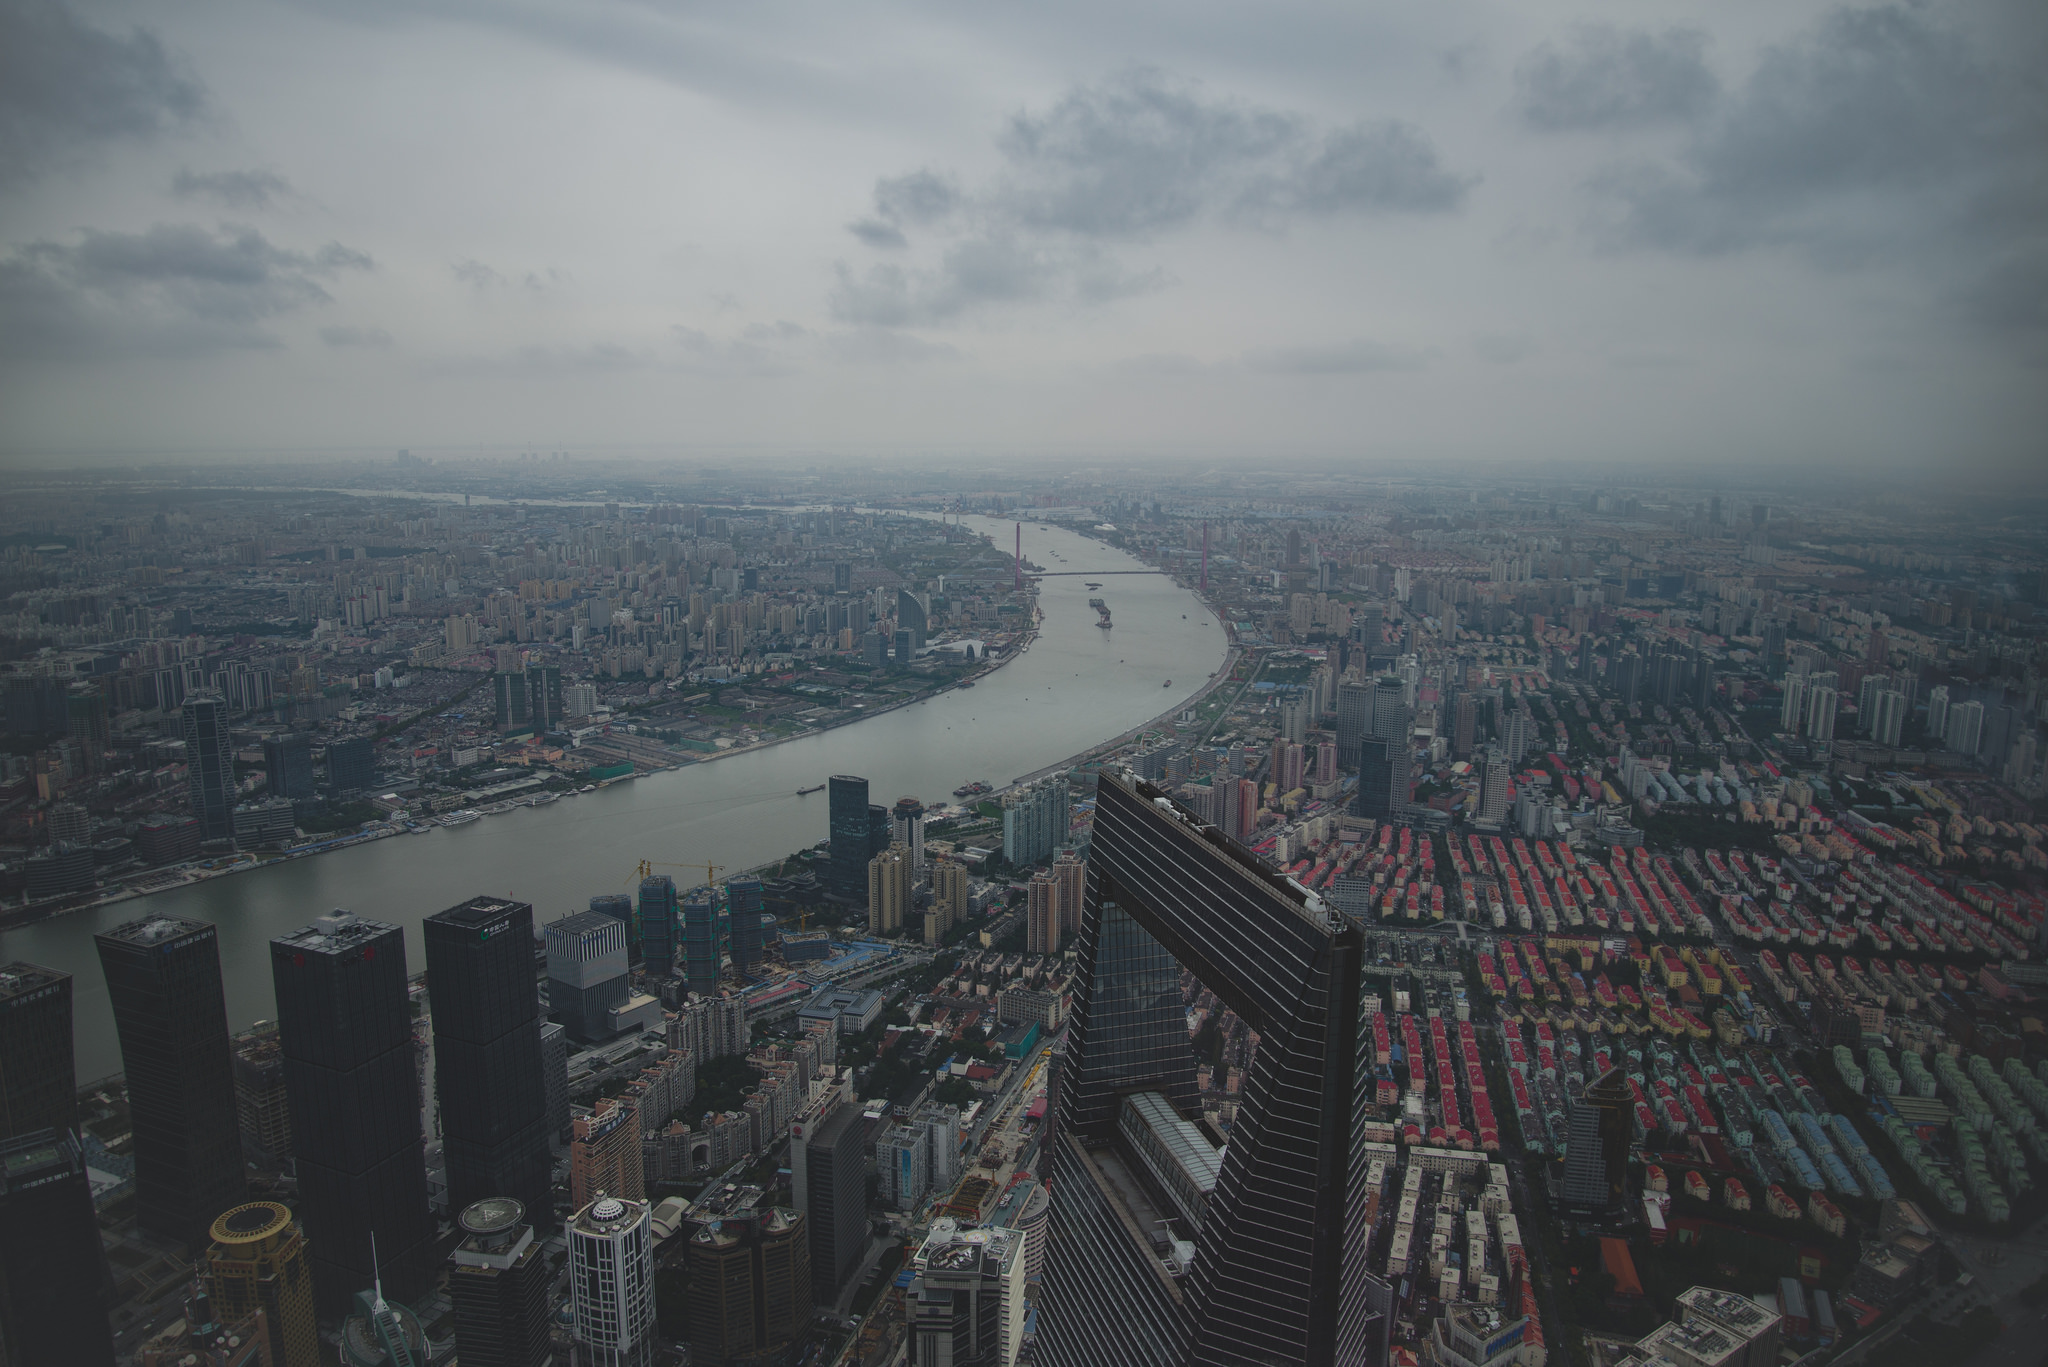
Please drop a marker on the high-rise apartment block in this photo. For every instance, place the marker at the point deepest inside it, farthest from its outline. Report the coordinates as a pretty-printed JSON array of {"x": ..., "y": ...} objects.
[
  {"x": 658, "y": 913},
  {"x": 163, "y": 982},
  {"x": 38, "y": 1083},
  {"x": 700, "y": 941},
  {"x": 1070, "y": 881},
  {"x": 949, "y": 900},
  {"x": 605, "y": 1153},
  {"x": 1036, "y": 818},
  {"x": 750, "y": 1287},
  {"x": 889, "y": 881},
  {"x": 487, "y": 1056},
  {"x": 344, "y": 1019},
  {"x": 1042, "y": 915},
  {"x": 257, "y": 1261},
  {"x": 209, "y": 764},
  {"x": 55, "y": 1291},
  {"x": 611, "y": 1280},
  {"x": 498, "y": 1284},
  {"x": 907, "y": 828},
  {"x": 746, "y": 901}
]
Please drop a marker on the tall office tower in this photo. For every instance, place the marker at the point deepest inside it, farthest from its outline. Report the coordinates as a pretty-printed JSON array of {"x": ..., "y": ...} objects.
[
  {"x": 257, "y": 1261},
  {"x": 658, "y": 924},
  {"x": 544, "y": 696},
  {"x": 1518, "y": 736},
  {"x": 828, "y": 1185},
  {"x": 38, "y": 1078},
  {"x": 1042, "y": 916},
  {"x": 605, "y": 1154},
  {"x": 55, "y": 1292},
  {"x": 487, "y": 1059},
  {"x": 587, "y": 973},
  {"x": 554, "y": 1068},
  {"x": 611, "y": 1276},
  {"x": 849, "y": 820},
  {"x": 1465, "y": 726},
  {"x": 163, "y": 981},
  {"x": 1376, "y": 769},
  {"x": 498, "y": 1285},
  {"x": 87, "y": 722},
  {"x": 700, "y": 940},
  {"x": 1294, "y": 719},
  {"x": 1937, "y": 712},
  {"x": 1070, "y": 875},
  {"x": 352, "y": 765},
  {"x": 1265, "y": 1279},
  {"x": 209, "y": 764},
  {"x": 949, "y": 897},
  {"x": 262, "y": 1107},
  {"x": 966, "y": 1302},
  {"x": 1964, "y": 733},
  {"x": 1888, "y": 717},
  {"x": 842, "y": 577},
  {"x": 1820, "y": 719},
  {"x": 746, "y": 901},
  {"x": 1597, "y": 1147},
  {"x": 1392, "y": 718},
  {"x": 1354, "y": 721},
  {"x": 619, "y": 907},
  {"x": 750, "y": 1287},
  {"x": 889, "y": 878},
  {"x": 288, "y": 766},
  {"x": 881, "y": 829},
  {"x": 1493, "y": 786},
  {"x": 509, "y": 699},
  {"x": 1792, "y": 710},
  {"x": 906, "y": 828},
  {"x": 344, "y": 1017}
]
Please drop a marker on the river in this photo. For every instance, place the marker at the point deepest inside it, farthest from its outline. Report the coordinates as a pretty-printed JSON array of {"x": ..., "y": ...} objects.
[{"x": 1076, "y": 686}]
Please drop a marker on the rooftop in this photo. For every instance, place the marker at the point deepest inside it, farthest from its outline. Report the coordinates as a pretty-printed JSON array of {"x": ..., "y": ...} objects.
[
  {"x": 335, "y": 933},
  {"x": 18, "y": 979},
  {"x": 477, "y": 911},
  {"x": 156, "y": 930}
]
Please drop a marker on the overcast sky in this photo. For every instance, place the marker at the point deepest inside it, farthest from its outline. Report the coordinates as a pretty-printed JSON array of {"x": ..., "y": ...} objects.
[{"x": 1752, "y": 231}]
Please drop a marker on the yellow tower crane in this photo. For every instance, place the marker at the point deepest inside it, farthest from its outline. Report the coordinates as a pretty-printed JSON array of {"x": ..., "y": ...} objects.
[{"x": 648, "y": 866}]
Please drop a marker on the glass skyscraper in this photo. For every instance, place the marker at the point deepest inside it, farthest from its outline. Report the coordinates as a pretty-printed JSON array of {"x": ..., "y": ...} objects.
[
  {"x": 849, "y": 819},
  {"x": 344, "y": 1021},
  {"x": 209, "y": 764},
  {"x": 745, "y": 900},
  {"x": 1258, "y": 1276},
  {"x": 163, "y": 981},
  {"x": 487, "y": 1057},
  {"x": 658, "y": 924},
  {"x": 700, "y": 941},
  {"x": 55, "y": 1292},
  {"x": 38, "y": 1078}
]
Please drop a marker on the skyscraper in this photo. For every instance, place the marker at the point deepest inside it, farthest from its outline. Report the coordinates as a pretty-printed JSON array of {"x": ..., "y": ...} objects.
[
  {"x": 288, "y": 765},
  {"x": 750, "y": 1286},
  {"x": 587, "y": 973},
  {"x": 605, "y": 1154},
  {"x": 745, "y": 902},
  {"x": 611, "y": 1279},
  {"x": 209, "y": 764},
  {"x": 257, "y": 1261},
  {"x": 949, "y": 899},
  {"x": 700, "y": 941},
  {"x": 907, "y": 828},
  {"x": 1597, "y": 1148},
  {"x": 658, "y": 924},
  {"x": 619, "y": 907},
  {"x": 554, "y": 1067},
  {"x": 344, "y": 1019},
  {"x": 1493, "y": 786},
  {"x": 38, "y": 1079},
  {"x": 966, "y": 1302},
  {"x": 1376, "y": 778},
  {"x": 498, "y": 1284},
  {"x": 1354, "y": 720},
  {"x": 881, "y": 829},
  {"x": 1042, "y": 916},
  {"x": 888, "y": 890},
  {"x": 1265, "y": 1280},
  {"x": 55, "y": 1292},
  {"x": 351, "y": 765},
  {"x": 487, "y": 1058},
  {"x": 1070, "y": 876},
  {"x": 163, "y": 981},
  {"x": 849, "y": 820},
  {"x": 1036, "y": 819},
  {"x": 828, "y": 1184}
]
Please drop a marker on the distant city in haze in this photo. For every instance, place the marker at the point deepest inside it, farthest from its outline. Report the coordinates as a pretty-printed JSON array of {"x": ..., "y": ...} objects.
[{"x": 1068, "y": 686}]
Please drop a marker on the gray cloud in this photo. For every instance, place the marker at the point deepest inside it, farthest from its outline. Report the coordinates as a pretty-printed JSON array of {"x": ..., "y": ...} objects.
[
  {"x": 66, "y": 85},
  {"x": 478, "y": 276},
  {"x": 1610, "y": 77},
  {"x": 339, "y": 336},
  {"x": 173, "y": 287},
  {"x": 1128, "y": 159},
  {"x": 1504, "y": 348},
  {"x": 1344, "y": 358},
  {"x": 243, "y": 190}
]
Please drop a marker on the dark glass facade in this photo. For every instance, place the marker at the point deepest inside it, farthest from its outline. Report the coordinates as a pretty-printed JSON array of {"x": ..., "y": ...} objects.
[
  {"x": 163, "y": 982},
  {"x": 881, "y": 829},
  {"x": 838, "y": 1199},
  {"x": 849, "y": 819},
  {"x": 1376, "y": 768},
  {"x": 345, "y": 1023},
  {"x": 55, "y": 1292},
  {"x": 1265, "y": 1284},
  {"x": 658, "y": 924},
  {"x": 700, "y": 941},
  {"x": 209, "y": 765},
  {"x": 619, "y": 907},
  {"x": 352, "y": 765},
  {"x": 487, "y": 1056},
  {"x": 38, "y": 1082},
  {"x": 498, "y": 1286},
  {"x": 288, "y": 766},
  {"x": 745, "y": 900}
]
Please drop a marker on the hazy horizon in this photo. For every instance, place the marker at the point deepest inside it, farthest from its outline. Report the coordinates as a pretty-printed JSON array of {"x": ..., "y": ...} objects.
[{"x": 1705, "y": 238}]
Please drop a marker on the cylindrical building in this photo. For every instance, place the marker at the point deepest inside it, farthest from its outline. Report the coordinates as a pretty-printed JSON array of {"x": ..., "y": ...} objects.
[
  {"x": 611, "y": 1267},
  {"x": 257, "y": 1261}
]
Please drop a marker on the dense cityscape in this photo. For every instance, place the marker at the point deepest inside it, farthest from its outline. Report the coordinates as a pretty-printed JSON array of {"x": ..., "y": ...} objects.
[{"x": 1574, "y": 921}]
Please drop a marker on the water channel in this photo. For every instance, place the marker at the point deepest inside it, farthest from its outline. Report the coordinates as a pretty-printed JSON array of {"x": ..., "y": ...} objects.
[{"x": 1076, "y": 686}]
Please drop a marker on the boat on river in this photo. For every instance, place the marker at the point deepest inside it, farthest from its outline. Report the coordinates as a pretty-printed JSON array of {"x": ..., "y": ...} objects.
[{"x": 806, "y": 792}]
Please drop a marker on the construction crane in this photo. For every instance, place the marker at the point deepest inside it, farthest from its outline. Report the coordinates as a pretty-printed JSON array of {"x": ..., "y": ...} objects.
[{"x": 648, "y": 866}]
